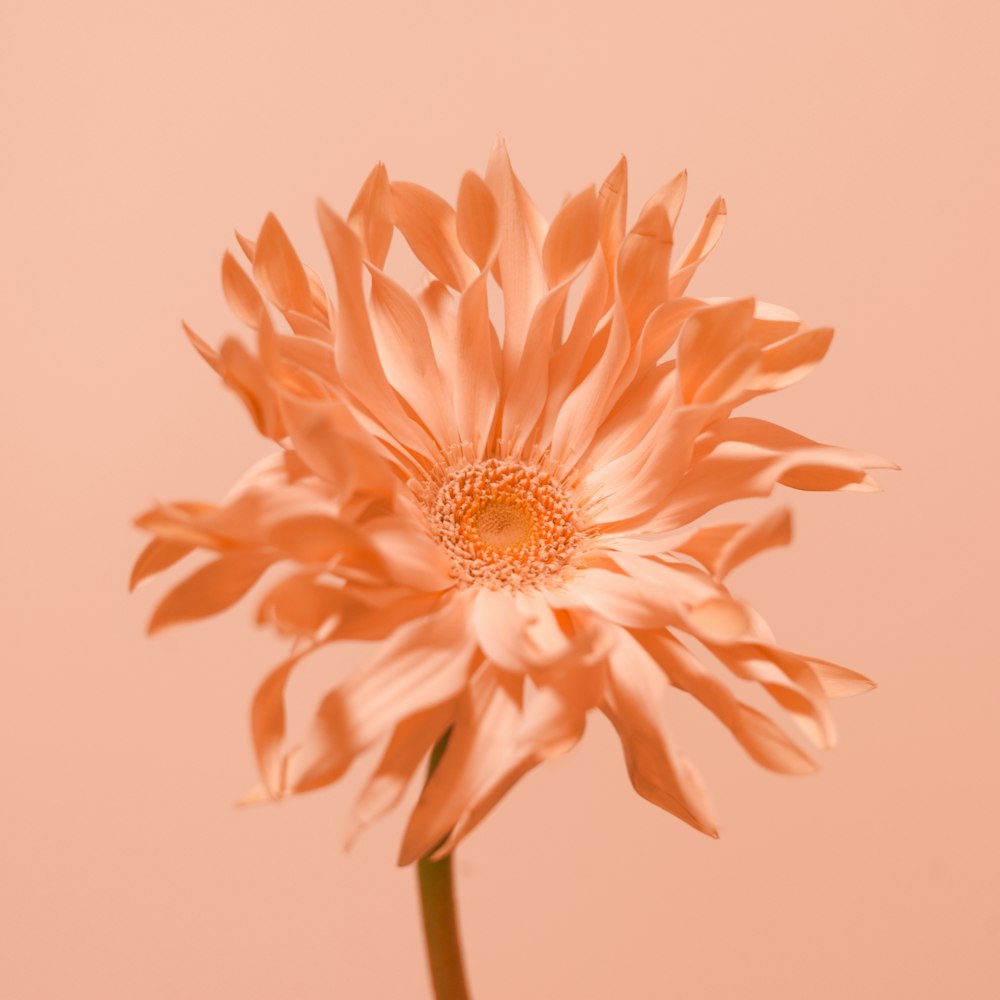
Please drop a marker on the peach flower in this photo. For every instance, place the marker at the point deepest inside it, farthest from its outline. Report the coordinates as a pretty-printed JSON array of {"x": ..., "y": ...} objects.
[{"x": 509, "y": 512}]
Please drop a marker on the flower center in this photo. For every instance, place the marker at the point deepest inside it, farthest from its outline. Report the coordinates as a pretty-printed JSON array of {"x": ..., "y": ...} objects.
[{"x": 504, "y": 523}]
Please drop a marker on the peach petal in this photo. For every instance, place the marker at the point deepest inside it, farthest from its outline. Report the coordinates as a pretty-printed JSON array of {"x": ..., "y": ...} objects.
[
  {"x": 788, "y": 361},
  {"x": 632, "y": 699},
  {"x": 243, "y": 373},
  {"x": 552, "y": 722},
  {"x": 300, "y": 605},
  {"x": 487, "y": 718},
  {"x": 208, "y": 354},
  {"x": 757, "y": 734},
  {"x": 713, "y": 339},
  {"x": 476, "y": 389},
  {"x": 158, "y": 555},
  {"x": 589, "y": 402},
  {"x": 404, "y": 347},
  {"x": 701, "y": 246},
  {"x": 837, "y": 681},
  {"x": 722, "y": 547},
  {"x": 429, "y": 226},
  {"x": 241, "y": 293},
  {"x": 278, "y": 270},
  {"x": 410, "y": 743},
  {"x": 211, "y": 589},
  {"x": 423, "y": 663},
  {"x": 519, "y": 259},
  {"x": 357, "y": 358},
  {"x": 267, "y": 724},
  {"x": 477, "y": 221},
  {"x": 370, "y": 216},
  {"x": 571, "y": 239}
]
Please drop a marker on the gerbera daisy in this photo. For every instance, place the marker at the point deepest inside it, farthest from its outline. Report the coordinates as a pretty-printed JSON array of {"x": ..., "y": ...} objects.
[{"x": 506, "y": 502}]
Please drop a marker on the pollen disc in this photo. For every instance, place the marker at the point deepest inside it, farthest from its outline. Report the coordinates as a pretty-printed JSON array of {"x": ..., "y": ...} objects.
[{"x": 505, "y": 524}]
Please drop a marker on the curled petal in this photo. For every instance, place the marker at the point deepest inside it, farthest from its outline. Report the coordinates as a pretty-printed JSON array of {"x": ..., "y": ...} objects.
[
  {"x": 211, "y": 589},
  {"x": 428, "y": 224},
  {"x": 632, "y": 700}
]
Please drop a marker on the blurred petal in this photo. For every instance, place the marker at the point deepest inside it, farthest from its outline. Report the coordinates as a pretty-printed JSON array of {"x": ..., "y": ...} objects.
[{"x": 211, "y": 589}]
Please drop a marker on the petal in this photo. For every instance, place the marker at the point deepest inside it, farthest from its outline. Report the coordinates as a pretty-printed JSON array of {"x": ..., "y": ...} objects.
[
  {"x": 715, "y": 360},
  {"x": 410, "y": 743},
  {"x": 241, "y": 293},
  {"x": 267, "y": 724},
  {"x": 211, "y": 589},
  {"x": 487, "y": 718},
  {"x": 424, "y": 663},
  {"x": 701, "y": 246},
  {"x": 278, "y": 270},
  {"x": 428, "y": 224},
  {"x": 633, "y": 696},
  {"x": 722, "y": 547},
  {"x": 301, "y": 605},
  {"x": 552, "y": 721},
  {"x": 756, "y": 733},
  {"x": 788, "y": 361},
  {"x": 571, "y": 239},
  {"x": 477, "y": 220},
  {"x": 358, "y": 362},
  {"x": 404, "y": 347},
  {"x": 837, "y": 681},
  {"x": 158, "y": 555},
  {"x": 208, "y": 354},
  {"x": 477, "y": 388},
  {"x": 370, "y": 216},
  {"x": 519, "y": 260}
]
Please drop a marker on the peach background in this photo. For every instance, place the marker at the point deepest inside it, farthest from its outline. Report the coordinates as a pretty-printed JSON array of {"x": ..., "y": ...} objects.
[{"x": 853, "y": 147}]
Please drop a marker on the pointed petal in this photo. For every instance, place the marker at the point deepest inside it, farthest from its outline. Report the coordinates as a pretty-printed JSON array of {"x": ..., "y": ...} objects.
[
  {"x": 370, "y": 216},
  {"x": 424, "y": 663},
  {"x": 241, "y": 293},
  {"x": 158, "y": 555},
  {"x": 211, "y": 589},
  {"x": 428, "y": 224},
  {"x": 571, "y": 239},
  {"x": 477, "y": 221},
  {"x": 278, "y": 270},
  {"x": 701, "y": 246},
  {"x": 633, "y": 696},
  {"x": 410, "y": 743},
  {"x": 519, "y": 261},
  {"x": 759, "y": 735},
  {"x": 404, "y": 347},
  {"x": 722, "y": 547}
]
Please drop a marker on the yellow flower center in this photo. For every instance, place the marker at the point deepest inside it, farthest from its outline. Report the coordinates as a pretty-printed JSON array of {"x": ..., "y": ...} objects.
[{"x": 505, "y": 523}]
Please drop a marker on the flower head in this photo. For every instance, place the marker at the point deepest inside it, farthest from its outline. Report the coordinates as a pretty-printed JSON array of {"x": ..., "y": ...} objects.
[{"x": 506, "y": 504}]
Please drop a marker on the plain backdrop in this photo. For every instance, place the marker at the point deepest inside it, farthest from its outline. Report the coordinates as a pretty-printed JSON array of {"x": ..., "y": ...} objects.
[{"x": 856, "y": 145}]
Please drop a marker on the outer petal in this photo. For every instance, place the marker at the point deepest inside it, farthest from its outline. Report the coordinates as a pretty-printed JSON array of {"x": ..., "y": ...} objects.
[
  {"x": 428, "y": 224},
  {"x": 278, "y": 269},
  {"x": 424, "y": 664},
  {"x": 722, "y": 547},
  {"x": 634, "y": 693},
  {"x": 489, "y": 711},
  {"x": 211, "y": 589},
  {"x": 370, "y": 216},
  {"x": 758, "y": 735},
  {"x": 409, "y": 745}
]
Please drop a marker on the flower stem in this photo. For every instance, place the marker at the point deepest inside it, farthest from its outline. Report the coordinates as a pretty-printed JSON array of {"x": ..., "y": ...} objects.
[{"x": 437, "y": 899}]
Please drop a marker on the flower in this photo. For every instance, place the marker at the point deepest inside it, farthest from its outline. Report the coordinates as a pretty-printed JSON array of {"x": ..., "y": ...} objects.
[{"x": 510, "y": 514}]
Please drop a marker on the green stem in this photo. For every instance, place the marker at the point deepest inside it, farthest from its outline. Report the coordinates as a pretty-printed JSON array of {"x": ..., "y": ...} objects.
[{"x": 437, "y": 899}]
